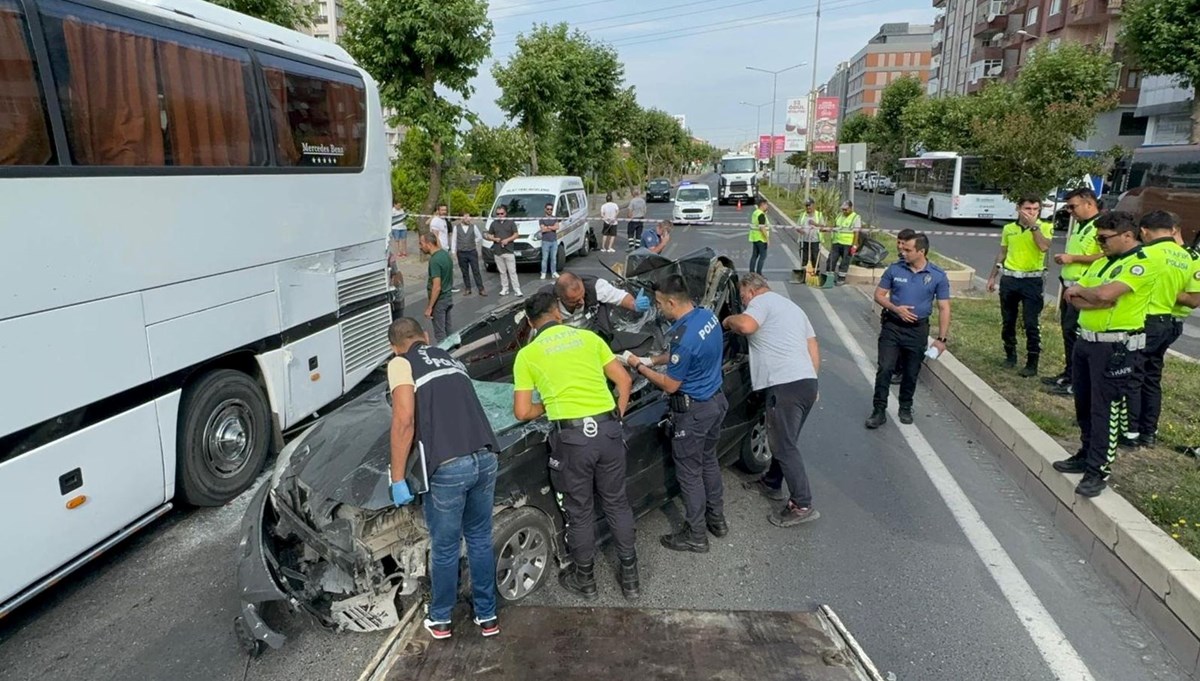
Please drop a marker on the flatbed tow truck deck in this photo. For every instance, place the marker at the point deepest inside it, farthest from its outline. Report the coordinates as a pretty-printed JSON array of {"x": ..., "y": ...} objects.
[{"x": 569, "y": 644}]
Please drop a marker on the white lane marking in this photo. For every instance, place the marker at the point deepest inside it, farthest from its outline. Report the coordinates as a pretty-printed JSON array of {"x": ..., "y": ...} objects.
[{"x": 1062, "y": 658}]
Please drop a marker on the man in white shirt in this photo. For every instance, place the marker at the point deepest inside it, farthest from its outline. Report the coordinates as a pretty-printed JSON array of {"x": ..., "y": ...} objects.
[
  {"x": 464, "y": 245},
  {"x": 440, "y": 226},
  {"x": 608, "y": 215}
]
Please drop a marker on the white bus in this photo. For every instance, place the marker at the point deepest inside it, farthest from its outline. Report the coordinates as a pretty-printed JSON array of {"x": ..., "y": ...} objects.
[
  {"x": 942, "y": 185},
  {"x": 192, "y": 214}
]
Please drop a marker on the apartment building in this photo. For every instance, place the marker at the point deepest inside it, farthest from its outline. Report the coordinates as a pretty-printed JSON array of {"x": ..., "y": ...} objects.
[
  {"x": 838, "y": 86},
  {"x": 897, "y": 50}
]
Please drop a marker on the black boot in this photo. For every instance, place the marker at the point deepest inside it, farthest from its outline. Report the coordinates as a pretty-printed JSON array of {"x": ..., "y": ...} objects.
[
  {"x": 684, "y": 540},
  {"x": 716, "y": 524},
  {"x": 630, "y": 584},
  {"x": 580, "y": 578},
  {"x": 1010, "y": 358},
  {"x": 877, "y": 418},
  {"x": 1075, "y": 464},
  {"x": 1031, "y": 367}
]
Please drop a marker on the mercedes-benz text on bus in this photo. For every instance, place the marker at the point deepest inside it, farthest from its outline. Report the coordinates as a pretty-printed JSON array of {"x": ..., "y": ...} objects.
[
  {"x": 193, "y": 211},
  {"x": 942, "y": 185}
]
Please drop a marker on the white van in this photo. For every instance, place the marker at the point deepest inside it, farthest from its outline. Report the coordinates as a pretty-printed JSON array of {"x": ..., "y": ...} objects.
[{"x": 525, "y": 198}]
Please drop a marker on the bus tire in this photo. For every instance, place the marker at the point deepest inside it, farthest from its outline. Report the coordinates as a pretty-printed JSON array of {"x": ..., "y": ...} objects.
[
  {"x": 929, "y": 211},
  {"x": 223, "y": 438}
]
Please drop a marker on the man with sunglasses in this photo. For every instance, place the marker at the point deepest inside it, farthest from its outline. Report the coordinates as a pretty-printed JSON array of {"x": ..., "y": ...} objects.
[
  {"x": 1082, "y": 250},
  {"x": 1112, "y": 297}
]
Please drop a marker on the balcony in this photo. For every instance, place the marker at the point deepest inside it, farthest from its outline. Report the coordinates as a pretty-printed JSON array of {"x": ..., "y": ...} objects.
[
  {"x": 1092, "y": 12},
  {"x": 994, "y": 21},
  {"x": 940, "y": 22},
  {"x": 988, "y": 53},
  {"x": 1015, "y": 6},
  {"x": 935, "y": 49}
]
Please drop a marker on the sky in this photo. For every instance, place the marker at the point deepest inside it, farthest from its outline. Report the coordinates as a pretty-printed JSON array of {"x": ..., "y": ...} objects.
[{"x": 690, "y": 58}]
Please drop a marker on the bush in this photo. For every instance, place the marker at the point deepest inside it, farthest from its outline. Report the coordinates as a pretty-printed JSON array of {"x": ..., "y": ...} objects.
[
  {"x": 461, "y": 202},
  {"x": 485, "y": 196}
]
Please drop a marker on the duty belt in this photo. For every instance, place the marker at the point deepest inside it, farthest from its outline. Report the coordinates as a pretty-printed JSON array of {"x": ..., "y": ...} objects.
[
  {"x": 1160, "y": 318},
  {"x": 1134, "y": 341},
  {"x": 588, "y": 424},
  {"x": 1023, "y": 275}
]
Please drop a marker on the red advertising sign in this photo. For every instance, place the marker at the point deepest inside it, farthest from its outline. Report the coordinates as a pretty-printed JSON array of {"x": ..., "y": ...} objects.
[
  {"x": 825, "y": 125},
  {"x": 780, "y": 143},
  {"x": 764, "y": 147}
]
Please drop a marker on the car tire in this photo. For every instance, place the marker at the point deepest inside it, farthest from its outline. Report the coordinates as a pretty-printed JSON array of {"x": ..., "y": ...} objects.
[
  {"x": 586, "y": 246},
  {"x": 560, "y": 259},
  {"x": 490, "y": 266},
  {"x": 523, "y": 540},
  {"x": 756, "y": 450},
  {"x": 223, "y": 438},
  {"x": 903, "y": 204}
]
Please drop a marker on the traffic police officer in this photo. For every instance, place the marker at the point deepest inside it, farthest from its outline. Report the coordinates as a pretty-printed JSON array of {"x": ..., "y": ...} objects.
[
  {"x": 1021, "y": 267},
  {"x": 698, "y": 406},
  {"x": 1112, "y": 297},
  {"x": 906, "y": 292},
  {"x": 1082, "y": 250},
  {"x": 759, "y": 235},
  {"x": 568, "y": 367},
  {"x": 1173, "y": 265}
]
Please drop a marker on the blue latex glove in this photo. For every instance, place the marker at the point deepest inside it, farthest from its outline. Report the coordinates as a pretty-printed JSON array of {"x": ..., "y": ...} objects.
[
  {"x": 641, "y": 303},
  {"x": 400, "y": 494}
]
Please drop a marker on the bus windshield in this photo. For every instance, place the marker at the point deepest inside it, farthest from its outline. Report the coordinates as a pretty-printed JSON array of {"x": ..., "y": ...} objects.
[
  {"x": 737, "y": 165},
  {"x": 524, "y": 205}
]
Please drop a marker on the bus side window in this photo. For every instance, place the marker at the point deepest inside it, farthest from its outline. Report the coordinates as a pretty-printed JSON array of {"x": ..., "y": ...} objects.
[
  {"x": 24, "y": 126},
  {"x": 318, "y": 116},
  {"x": 137, "y": 94}
]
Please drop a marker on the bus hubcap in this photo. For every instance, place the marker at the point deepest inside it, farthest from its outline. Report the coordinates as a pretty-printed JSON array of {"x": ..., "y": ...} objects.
[{"x": 227, "y": 438}]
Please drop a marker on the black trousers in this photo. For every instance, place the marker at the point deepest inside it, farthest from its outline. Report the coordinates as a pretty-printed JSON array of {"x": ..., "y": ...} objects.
[
  {"x": 758, "y": 256},
  {"x": 1025, "y": 294},
  {"x": 901, "y": 348},
  {"x": 810, "y": 251},
  {"x": 1145, "y": 393},
  {"x": 1102, "y": 377},
  {"x": 694, "y": 448},
  {"x": 468, "y": 262},
  {"x": 839, "y": 260},
  {"x": 579, "y": 465},
  {"x": 788, "y": 407},
  {"x": 1069, "y": 320},
  {"x": 633, "y": 230}
]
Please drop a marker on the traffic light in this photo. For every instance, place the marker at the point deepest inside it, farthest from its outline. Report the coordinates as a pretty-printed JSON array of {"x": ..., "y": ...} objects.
[{"x": 823, "y": 175}]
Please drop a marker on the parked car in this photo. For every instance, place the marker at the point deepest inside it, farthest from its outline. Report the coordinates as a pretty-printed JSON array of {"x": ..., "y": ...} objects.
[
  {"x": 322, "y": 536},
  {"x": 658, "y": 190},
  {"x": 525, "y": 199}
]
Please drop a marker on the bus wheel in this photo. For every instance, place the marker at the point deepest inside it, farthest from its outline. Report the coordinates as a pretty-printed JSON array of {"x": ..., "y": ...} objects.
[
  {"x": 223, "y": 438},
  {"x": 929, "y": 212}
]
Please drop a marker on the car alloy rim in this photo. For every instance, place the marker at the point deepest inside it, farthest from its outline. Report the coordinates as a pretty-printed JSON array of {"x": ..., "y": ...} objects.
[
  {"x": 523, "y": 560},
  {"x": 759, "y": 448},
  {"x": 228, "y": 438}
]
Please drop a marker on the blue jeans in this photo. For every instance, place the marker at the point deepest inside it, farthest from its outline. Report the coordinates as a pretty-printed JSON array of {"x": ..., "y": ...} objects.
[
  {"x": 549, "y": 257},
  {"x": 459, "y": 504}
]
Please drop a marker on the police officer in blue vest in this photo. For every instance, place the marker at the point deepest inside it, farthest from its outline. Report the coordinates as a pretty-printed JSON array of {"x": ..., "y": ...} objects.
[
  {"x": 693, "y": 380},
  {"x": 907, "y": 291}
]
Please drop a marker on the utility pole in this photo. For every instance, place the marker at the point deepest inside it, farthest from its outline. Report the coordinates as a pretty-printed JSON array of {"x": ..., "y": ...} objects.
[
  {"x": 775, "y": 100},
  {"x": 812, "y": 111},
  {"x": 757, "y": 119}
]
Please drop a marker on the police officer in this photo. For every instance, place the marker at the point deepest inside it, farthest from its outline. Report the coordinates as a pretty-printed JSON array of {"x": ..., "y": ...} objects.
[
  {"x": 1173, "y": 264},
  {"x": 568, "y": 367},
  {"x": 760, "y": 233},
  {"x": 1112, "y": 297},
  {"x": 1021, "y": 267},
  {"x": 588, "y": 300},
  {"x": 693, "y": 381},
  {"x": 1082, "y": 250},
  {"x": 906, "y": 292},
  {"x": 846, "y": 227}
]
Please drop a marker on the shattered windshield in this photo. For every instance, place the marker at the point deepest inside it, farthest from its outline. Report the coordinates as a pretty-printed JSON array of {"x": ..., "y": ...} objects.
[{"x": 497, "y": 400}]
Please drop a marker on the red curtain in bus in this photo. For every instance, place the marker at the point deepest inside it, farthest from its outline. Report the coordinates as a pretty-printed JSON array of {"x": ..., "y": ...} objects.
[
  {"x": 207, "y": 117},
  {"x": 347, "y": 119},
  {"x": 277, "y": 96},
  {"x": 24, "y": 138},
  {"x": 115, "y": 117}
]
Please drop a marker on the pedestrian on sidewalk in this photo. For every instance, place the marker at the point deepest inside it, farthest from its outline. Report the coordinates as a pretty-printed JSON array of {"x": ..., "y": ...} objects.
[
  {"x": 608, "y": 217},
  {"x": 440, "y": 226},
  {"x": 399, "y": 231},
  {"x": 1082, "y": 250},
  {"x": 1021, "y": 268},
  {"x": 784, "y": 361},
  {"x": 656, "y": 240},
  {"x": 548, "y": 232},
  {"x": 809, "y": 235},
  {"x": 465, "y": 241},
  {"x": 760, "y": 234},
  {"x": 439, "y": 286},
  {"x": 570, "y": 369},
  {"x": 1164, "y": 323},
  {"x": 847, "y": 227},
  {"x": 907, "y": 292},
  {"x": 435, "y": 408},
  {"x": 693, "y": 382},
  {"x": 637, "y": 214},
  {"x": 502, "y": 232},
  {"x": 1112, "y": 297}
]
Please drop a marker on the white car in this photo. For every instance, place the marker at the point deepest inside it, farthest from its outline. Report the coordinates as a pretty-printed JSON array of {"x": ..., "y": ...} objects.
[{"x": 693, "y": 203}]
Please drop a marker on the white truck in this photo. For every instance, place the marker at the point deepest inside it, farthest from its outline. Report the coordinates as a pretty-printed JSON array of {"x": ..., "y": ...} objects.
[{"x": 737, "y": 179}]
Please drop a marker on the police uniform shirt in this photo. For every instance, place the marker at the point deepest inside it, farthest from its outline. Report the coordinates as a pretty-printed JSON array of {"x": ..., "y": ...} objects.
[
  {"x": 650, "y": 238},
  {"x": 696, "y": 346},
  {"x": 1134, "y": 269},
  {"x": 1173, "y": 266},
  {"x": 1193, "y": 286},
  {"x": 566, "y": 366},
  {"x": 1023, "y": 254},
  {"x": 1081, "y": 241},
  {"x": 916, "y": 289}
]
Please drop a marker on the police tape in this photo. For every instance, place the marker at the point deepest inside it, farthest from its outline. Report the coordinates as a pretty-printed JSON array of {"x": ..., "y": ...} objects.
[{"x": 707, "y": 223}]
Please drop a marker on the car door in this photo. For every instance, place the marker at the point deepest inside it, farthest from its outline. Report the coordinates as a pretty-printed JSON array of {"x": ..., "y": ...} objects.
[{"x": 649, "y": 469}]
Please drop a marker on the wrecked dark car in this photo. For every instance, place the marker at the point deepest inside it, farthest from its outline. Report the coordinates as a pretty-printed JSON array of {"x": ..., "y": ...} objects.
[{"x": 322, "y": 536}]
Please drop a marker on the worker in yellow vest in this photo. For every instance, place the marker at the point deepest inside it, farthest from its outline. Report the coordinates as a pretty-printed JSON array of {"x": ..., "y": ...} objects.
[
  {"x": 846, "y": 228},
  {"x": 760, "y": 232}
]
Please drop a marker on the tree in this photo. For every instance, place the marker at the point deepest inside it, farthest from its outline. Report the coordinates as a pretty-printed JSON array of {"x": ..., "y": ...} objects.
[
  {"x": 887, "y": 135},
  {"x": 1164, "y": 38},
  {"x": 287, "y": 13},
  {"x": 856, "y": 129},
  {"x": 495, "y": 153},
  {"x": 417, "y": 50},
  {"x": 594, "y": 107},
  {"x": 535, "y": 80},
  {"x": 940, "y": 123},
  {"x": 1072, "y": 73},
  {"x": 799, "y": 159}
]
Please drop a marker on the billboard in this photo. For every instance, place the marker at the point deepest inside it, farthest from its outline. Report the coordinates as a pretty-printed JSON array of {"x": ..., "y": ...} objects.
[
  {"x": 764, "y": 147},
  {"x": 825, "y": 125},
  {"x": 795, "y": 126}
]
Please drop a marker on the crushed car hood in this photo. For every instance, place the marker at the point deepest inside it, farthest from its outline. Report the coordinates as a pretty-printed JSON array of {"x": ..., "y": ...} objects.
[{"x": 346, "y": 455}]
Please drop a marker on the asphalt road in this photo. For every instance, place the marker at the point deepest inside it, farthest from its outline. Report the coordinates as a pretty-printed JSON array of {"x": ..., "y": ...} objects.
[{"x": 888, "y": 554}]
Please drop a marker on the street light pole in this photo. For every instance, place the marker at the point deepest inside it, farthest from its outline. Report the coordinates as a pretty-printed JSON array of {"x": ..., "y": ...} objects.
[
  {"x": 812, "y": 112},
  {"x": 774, "y": 101},
  {"x": 757, "y": 118}
]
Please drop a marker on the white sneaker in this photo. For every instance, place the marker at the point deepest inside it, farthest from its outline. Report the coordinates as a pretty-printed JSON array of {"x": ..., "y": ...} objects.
[
  {"x": 543, "y": 275},
  {"x": 504, "y": 292},
  {"x": 554, "y": 275},
  {"x": 519, "y": 294}
]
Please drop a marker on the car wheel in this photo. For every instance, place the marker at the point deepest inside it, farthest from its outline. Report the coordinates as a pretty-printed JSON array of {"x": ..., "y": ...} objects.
[
  {"x": 756, "y": 450},
  {"x": 490, "y": 266},
  {"x": 560, "y": 259},
  {"x": 586, "y": 246},
  {"x": 524, "y": 552},
  {"x": 929, "y": 212},
  {"x": 224, "y": 436},
  {"x": 903, "y": 206}
]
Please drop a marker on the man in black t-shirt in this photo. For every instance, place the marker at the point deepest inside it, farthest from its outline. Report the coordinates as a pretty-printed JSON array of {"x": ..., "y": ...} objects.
[{"x": 502, "y": 232}]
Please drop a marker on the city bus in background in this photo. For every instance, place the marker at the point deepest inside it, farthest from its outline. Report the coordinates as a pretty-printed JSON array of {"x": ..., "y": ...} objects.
[
  {"x": 943, "y": 185},
  {"x": 194, "y": 205},
  {"x": 1164, "y": 178}
]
